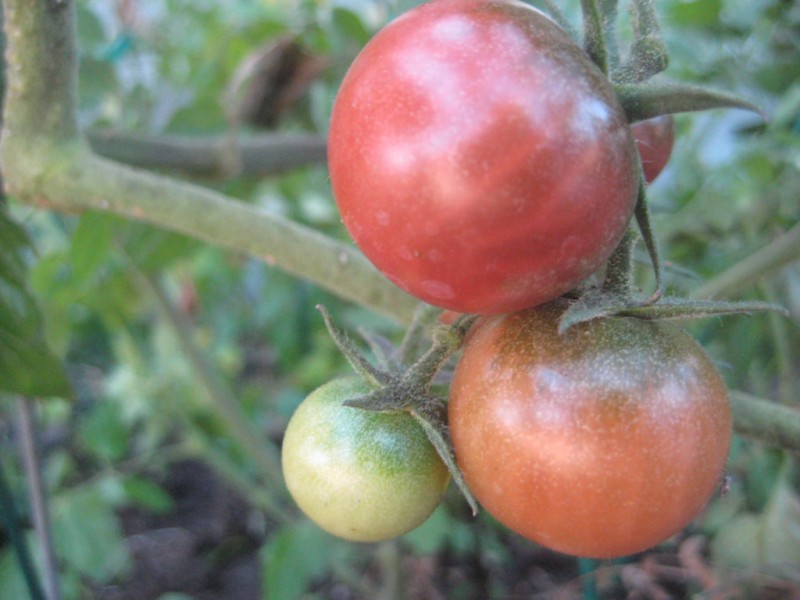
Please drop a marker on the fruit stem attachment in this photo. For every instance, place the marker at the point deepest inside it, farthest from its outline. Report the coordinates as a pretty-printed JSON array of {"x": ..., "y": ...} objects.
[{"x": 407, "y": 389}]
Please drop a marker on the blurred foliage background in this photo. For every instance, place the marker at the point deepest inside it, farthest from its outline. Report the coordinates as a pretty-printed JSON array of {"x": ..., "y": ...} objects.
[{"x": 173, "y": 346}]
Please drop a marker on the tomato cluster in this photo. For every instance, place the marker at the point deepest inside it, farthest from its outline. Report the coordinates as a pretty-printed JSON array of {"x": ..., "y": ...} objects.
[{"x": 483, "y": 163}]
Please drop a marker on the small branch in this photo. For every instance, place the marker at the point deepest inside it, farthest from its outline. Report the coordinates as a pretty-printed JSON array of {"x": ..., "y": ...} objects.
[
  {"x": 594, "y": 34},
  {"x": 775, "y": 255},
  {"x": 38, "y": 500},
  {"x": 769, "y": 422},
  {"x": 211, "y": 156},
  {"x": 648, "y": 54},
  {"x": 609, "y": 9},
  {"x": 75, "y": 180},
  {"x": 11, "y": 523}
]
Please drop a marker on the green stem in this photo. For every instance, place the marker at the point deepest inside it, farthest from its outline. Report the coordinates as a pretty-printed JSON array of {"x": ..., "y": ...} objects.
[
  {"x": 594, "y": 40},
  {"x": 9, "y": 517},
  {"x": 41, "y": 72},
  {"x": 648, "y": 54},
  {"x": 782, "y": 337},
  {"x": 209, "y": 156},
  {"x": 38, "y": 498},
  {"x": 772, "y": 423},
  {"x": 75, "y": 180},
  {"x": 609, "y": 12},
  {"x": 782, "y": 251}
]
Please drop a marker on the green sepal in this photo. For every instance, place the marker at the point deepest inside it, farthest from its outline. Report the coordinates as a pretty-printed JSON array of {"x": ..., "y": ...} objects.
[
  {"x": 597, "y": 304},
  {"x": 642, "y": 101},
  {"x": 431, "y": 417},
  {"x": 372, "y": 375},
  {"x": 680, "y": 308},
  {"x": 642, "y": 215}
]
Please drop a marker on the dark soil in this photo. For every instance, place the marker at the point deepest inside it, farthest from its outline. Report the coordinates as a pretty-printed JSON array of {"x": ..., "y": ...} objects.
[{"x": 208, "y": 548}]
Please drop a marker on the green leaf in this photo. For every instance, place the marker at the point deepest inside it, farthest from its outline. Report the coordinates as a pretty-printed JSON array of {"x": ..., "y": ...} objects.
[
  {"x": 90, "y": 244},
  {"x": 295, "y": 555},
  {"x": 438, "y": 530},
  {"x": 104, "y": 433},
  {"x": 769, "y": 541},
  {"x": 27, "y": 365},
  {"x": 697, "y": 13},
  {"x": 12, "y": 582},
  {"x": 149, "y": 495},
  {"x": 351, "y": 25},
  {"x": 87, "y": 534}
]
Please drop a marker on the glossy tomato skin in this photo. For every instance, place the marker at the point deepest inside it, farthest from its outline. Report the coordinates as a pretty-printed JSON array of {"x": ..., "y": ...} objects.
[
  {"x": 654, "y": 140},
  {"x": 360, "y": 475},
  {"x": 600, "y": 443},
  {"x": 478, "y": 158}
]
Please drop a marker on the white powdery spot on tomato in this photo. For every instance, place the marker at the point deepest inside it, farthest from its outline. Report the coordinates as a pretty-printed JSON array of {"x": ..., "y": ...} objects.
[
  {"x": 591, "y": 116},
  {"x": 454, "y": 30}
]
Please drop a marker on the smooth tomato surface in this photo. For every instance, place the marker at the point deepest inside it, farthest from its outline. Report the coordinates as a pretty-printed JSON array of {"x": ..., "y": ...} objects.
[
  {"x": 478, "y": 158},
  {"x": 654, "y": 140},
  {"x": 599, "y": 443},
  {"x": 363, "y": 476}
]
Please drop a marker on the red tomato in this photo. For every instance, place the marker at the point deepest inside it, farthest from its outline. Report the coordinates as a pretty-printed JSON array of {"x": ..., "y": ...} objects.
[
  {"x": 479, "y": 159},
  {"x": 654, "y": 139},
  {"x": 599, "y": 443}
]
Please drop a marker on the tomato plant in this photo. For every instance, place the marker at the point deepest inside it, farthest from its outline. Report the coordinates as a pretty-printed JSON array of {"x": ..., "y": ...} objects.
[
  {"x": 478, "y": 157},
  {"x": 654, "y": 140},
  {"x": 599, "y": 443},
  {"x": 361, "y": 475}
]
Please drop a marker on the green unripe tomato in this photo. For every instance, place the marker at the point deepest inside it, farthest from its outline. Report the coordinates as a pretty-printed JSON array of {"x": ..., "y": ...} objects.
[{"x": 360, "y": 475}]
